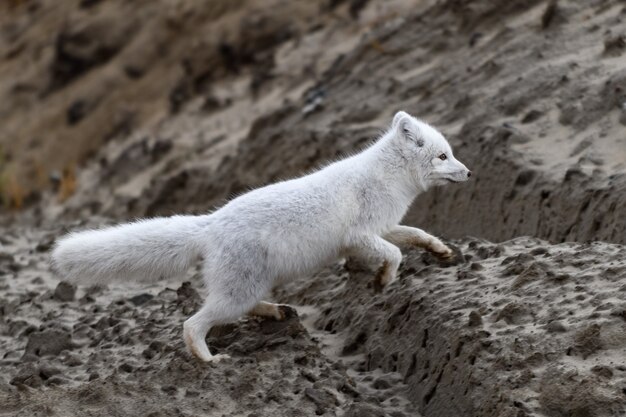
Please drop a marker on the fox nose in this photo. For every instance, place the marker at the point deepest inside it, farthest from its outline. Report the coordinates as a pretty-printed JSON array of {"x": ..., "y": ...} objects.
[{"x": 469, "y": 174}]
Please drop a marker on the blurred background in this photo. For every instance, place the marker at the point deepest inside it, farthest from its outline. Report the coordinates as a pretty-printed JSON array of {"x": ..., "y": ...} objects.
[{"x": 154, "y": 107}]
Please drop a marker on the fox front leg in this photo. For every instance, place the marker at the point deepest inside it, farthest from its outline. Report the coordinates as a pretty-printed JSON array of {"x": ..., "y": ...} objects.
[{"x": 411, "y": 236}]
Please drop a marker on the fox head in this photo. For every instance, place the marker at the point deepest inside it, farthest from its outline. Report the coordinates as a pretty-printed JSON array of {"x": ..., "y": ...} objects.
[{"x": 430, "y": 157}]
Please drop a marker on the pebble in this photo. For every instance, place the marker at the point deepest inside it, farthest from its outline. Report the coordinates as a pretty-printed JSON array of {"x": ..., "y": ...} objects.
[{"x": 65, "y": 291}]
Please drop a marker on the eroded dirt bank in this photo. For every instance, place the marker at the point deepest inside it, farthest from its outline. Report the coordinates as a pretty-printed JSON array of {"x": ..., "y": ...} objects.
[
  {"x": 515, "y": 329},
  {"x": 534, "y": 105}
]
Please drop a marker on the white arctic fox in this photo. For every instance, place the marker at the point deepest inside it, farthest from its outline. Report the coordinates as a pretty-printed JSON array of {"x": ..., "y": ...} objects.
[{"x": 351, "y": 207}]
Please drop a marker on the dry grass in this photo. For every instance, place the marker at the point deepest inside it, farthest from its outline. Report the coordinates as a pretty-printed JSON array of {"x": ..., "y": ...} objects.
[{"x": 67, "y": 187}]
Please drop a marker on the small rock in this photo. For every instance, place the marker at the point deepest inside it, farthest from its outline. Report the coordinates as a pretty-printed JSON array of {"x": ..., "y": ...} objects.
[
  {"x": 6, "y": 257},
  {"x": 65, "y": 291},
  {"x": 321, "y": 398},
  {"x": 474, "y": 38},
  {"x": 169, "y": 389},
  {"x": 549, "y": 14},
  {"x": 191, "y": 393},
  {"x": 556, "y": 327},
  {"x": 46, "y": 371},
  {"x": 126, "y": 367},
  {"x": 381, "y": 383},
  {"x": 603, "y": 371},
  {"x": 148, "y": 353},
  {"x": 27, "y": 375},
  {"x": 187, "y": 292},
  {"x": 141, "y": 299},
  {"x": 513, "y": 313},
  {"x": 572, "y": 173},
  {"x": 57, "y": 380},
  {"x": 531, "y": 116},
  {"x": 48, "y": 342},
  {"x": 539, "y": 251},
  {"x": 301, "y": 359},
  {"x": 619, "y": 312},
  {"x": 76, "y": 112},
  {"x": 475, "y": 266},
  {"x": 560, "y": 278},
  {"x": 29, "y": 357},
  {"x": 475, "y": 319},
  {"x": 45, "y": 245},
  {"x": 615, "y": 45},
  {"x": 37, "y": 281},
  {"x": 168, "y": 294},
  {"x": 72, "y": 360},
  {"x": 465, "y": 275},
  {"x": 587, "y": 340}
]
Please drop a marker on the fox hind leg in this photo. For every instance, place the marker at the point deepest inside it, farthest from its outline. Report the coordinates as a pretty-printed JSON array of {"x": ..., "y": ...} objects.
[
  {"x": 276, "y": 311},
  {"x": 379, "y": 252},
  {"x": 213, "y": 312},
  {"x": 230, "y": 297}
]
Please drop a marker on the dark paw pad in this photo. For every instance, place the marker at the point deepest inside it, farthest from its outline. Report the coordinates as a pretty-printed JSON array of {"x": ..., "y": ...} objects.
[
  {"x": 446, "y": 256},
  {"x": 444, "y": 260}
]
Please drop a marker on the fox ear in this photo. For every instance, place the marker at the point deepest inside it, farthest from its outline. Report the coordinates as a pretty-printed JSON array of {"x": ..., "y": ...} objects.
[
  {"x": 407, "y": 128},
  {"x": 399, "y": 116}
]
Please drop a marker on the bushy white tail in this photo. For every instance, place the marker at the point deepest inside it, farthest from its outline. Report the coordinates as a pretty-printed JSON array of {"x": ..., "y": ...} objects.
[{"x": 145, "y": 250}]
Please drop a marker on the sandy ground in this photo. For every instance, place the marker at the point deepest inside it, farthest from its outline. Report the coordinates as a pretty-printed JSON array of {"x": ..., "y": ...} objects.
[{"x": 176, "y": 107}]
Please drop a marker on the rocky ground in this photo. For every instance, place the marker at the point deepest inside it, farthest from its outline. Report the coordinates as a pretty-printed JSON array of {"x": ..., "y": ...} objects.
[
  {"x": 517, "y": 328},
  {"x": 112, "y": 110},
  {"x": 511, "y": 329},
  {"x": 119, "y": 351}
]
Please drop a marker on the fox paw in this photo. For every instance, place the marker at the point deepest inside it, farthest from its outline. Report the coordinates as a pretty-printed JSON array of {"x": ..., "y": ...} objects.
[
  {"x": 214, "y": 358},
  {"x": 384, "y": 277},
  {"x": 445, "y": 254},
  {"x": 286, "y": 312},
  {"x": 441, "y": 250}
]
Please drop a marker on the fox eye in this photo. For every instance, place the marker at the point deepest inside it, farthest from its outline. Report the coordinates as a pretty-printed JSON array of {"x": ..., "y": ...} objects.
[{"x": 443, "y": 157}]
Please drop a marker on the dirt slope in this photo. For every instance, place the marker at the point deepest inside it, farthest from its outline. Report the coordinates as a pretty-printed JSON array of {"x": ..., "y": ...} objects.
[
  {"x": 515, "y": 329},
  {"x": 112, "y": 110},
  {"x": 540, "y": 121}
]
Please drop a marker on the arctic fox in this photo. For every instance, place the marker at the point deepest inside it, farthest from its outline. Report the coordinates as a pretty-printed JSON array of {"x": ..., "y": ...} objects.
[{"x": 351, "y": 207}]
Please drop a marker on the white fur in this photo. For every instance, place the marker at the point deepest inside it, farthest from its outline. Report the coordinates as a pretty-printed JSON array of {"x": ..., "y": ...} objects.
[{"x": 281, "y": 231}]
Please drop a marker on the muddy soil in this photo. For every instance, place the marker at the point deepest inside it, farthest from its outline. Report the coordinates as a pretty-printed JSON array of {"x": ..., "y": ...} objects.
[{"x": 114, "y": 110}]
